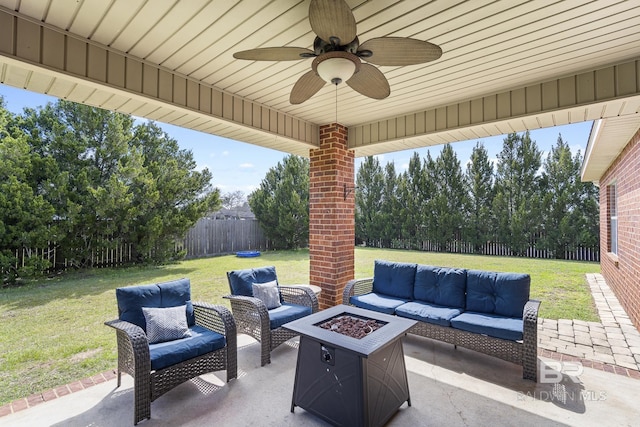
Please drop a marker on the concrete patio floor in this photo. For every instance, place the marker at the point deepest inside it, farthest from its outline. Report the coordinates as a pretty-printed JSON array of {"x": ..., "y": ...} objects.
[{"x": 453, "y": 387}]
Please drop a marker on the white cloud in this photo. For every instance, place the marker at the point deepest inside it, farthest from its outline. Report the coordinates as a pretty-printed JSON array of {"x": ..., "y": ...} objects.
[
  {"x": 246, "y": 165},
  {"x": 225, "y": 153}
]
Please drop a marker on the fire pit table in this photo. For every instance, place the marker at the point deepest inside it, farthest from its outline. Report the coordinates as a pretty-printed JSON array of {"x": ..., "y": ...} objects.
[{"x": 350, "y": 369}]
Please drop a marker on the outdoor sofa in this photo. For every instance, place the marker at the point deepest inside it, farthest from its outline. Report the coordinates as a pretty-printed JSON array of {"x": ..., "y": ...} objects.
[
  {"x": 165, "y": 339},
  {"x": 485, "y": 311}
]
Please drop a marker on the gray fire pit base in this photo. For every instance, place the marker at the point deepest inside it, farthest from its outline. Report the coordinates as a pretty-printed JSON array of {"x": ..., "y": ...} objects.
[{"x": 347, "y": 389}]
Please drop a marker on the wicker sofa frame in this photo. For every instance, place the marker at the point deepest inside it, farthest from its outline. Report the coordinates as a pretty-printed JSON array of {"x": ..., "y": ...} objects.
[
  {"x": 134, "y": 359},
  {"x": 252, "y": 317},
  {"x": 524, "y": 353}
]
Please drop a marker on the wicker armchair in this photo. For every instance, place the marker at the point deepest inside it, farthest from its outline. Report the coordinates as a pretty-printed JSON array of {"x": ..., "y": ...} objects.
[
  {"x": 254, "y": 318},
  {"x": 137, "y": 357}
]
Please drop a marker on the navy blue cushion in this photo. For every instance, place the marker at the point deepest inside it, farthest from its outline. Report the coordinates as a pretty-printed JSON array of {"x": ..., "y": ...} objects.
[
  {"x": 394, "y": 278},
  {"x": 178, "y": 292},
  {"x": 430, "y": 313},
  {"x": 377, "y": 302},
  {"x": 201, "y": 341},
  {"x": 507, "y": 328},
  {"x": 241, "y": 281},
  {"x": 504, "y": 294},
  {"x": 131, "y": 299},
  {"x": 287, "y": 313},
  {"x": 264, "y": 274},
  {"x": 441, "y": 286}
]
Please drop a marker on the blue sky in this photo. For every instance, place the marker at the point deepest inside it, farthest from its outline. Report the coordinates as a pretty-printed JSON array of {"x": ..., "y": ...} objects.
[{"x": 240, "y": 166}]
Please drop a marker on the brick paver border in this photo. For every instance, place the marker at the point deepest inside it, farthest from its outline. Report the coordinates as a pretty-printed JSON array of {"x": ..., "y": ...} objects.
[{"x": 38, "y": 398}]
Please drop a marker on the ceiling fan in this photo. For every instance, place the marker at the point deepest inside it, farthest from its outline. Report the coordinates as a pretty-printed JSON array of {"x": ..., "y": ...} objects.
[{"x": 338, "y": 54}]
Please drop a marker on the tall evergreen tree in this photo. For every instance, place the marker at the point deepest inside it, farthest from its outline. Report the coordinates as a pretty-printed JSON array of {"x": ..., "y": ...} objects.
[
  {"x": 588, "y": 205},
  {"x": 114, "y": 182},
  {"x": 26, "y": 218},
  {"x": 449, "y": 203},
  {"x": 479, "y": 179},
  {"x": 369, "y": 200},
  {"x": 87, "y": 145},
  {"x": 517, "y": 201},
  {"x": 281, "y": 203},
  {"x": 567, "y": 203},
  {"x": 170, "y": 194},
  {"x": 414, "y": 193},
  {"x": 391, "y": 208}
]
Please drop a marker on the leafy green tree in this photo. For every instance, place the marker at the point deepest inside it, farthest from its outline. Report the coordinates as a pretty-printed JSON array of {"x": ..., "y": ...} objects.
[
  {"x": 369, "y": 202},
  {"x": 517, "y": 201},
  {"x": 26, "y": 218},
  {"x": 449, "y": 202},
  {"x": 479, "y": 179},
  {"x": 281, "y": 203}
]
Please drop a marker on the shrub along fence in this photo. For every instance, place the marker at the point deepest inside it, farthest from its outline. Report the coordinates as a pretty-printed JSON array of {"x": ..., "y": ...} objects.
[
  {"x": 208, "y": 237},
  {"x": 492, "y": 248}
]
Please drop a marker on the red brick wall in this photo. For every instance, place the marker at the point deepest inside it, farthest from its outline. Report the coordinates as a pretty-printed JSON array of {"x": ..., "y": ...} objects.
[
  {"x": 331, "y": 217},
  {"x": 622, "y": 272}
]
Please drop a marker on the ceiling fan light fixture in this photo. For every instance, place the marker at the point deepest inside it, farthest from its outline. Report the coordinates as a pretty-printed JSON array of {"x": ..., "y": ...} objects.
[
  {"x": 336, "y": 70},
  {"x": 336, "y": 67},
  {"x": 333, "y": 22}
]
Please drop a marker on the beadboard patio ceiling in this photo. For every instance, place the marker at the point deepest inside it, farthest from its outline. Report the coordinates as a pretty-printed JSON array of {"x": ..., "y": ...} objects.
[{"x": 506, "y": 66}]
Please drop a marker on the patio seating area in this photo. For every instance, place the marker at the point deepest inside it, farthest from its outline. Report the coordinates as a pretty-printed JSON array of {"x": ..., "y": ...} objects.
[{"x": 447, "y": 387}]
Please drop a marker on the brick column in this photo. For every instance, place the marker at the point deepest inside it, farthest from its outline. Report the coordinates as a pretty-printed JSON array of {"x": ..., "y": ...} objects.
[{"x": 331, "y": 217}]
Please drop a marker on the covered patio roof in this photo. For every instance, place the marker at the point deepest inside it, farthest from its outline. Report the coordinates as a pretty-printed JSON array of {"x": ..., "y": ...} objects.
[{"x": 506, "y": 67}]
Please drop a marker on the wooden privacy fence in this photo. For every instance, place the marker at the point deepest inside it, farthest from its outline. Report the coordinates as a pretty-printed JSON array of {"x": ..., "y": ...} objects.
[
  {"x": 224, "y": 236},
  {"x": 207, "y": 237}
]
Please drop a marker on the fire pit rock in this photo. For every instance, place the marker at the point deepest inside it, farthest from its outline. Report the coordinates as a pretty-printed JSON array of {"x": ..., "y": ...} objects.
[{"x": 351, "y": 326}]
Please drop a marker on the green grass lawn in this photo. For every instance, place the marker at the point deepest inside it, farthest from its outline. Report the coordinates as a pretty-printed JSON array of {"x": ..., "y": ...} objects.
[{"x": 52, "y": 332}]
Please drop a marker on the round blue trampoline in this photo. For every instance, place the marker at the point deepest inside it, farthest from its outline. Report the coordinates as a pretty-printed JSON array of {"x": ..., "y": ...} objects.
[{"x": 247, "y": 254}]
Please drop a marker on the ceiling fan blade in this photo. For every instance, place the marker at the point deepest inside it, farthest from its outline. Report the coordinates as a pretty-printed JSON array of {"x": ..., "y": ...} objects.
[
  {"x": 332, "y": 18},
  {"x": 400, "y": 51},
  {"x": 273, "y": 54},
  {"x": 370, "y": 81},
  {"x": 306, "y": 86}
]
